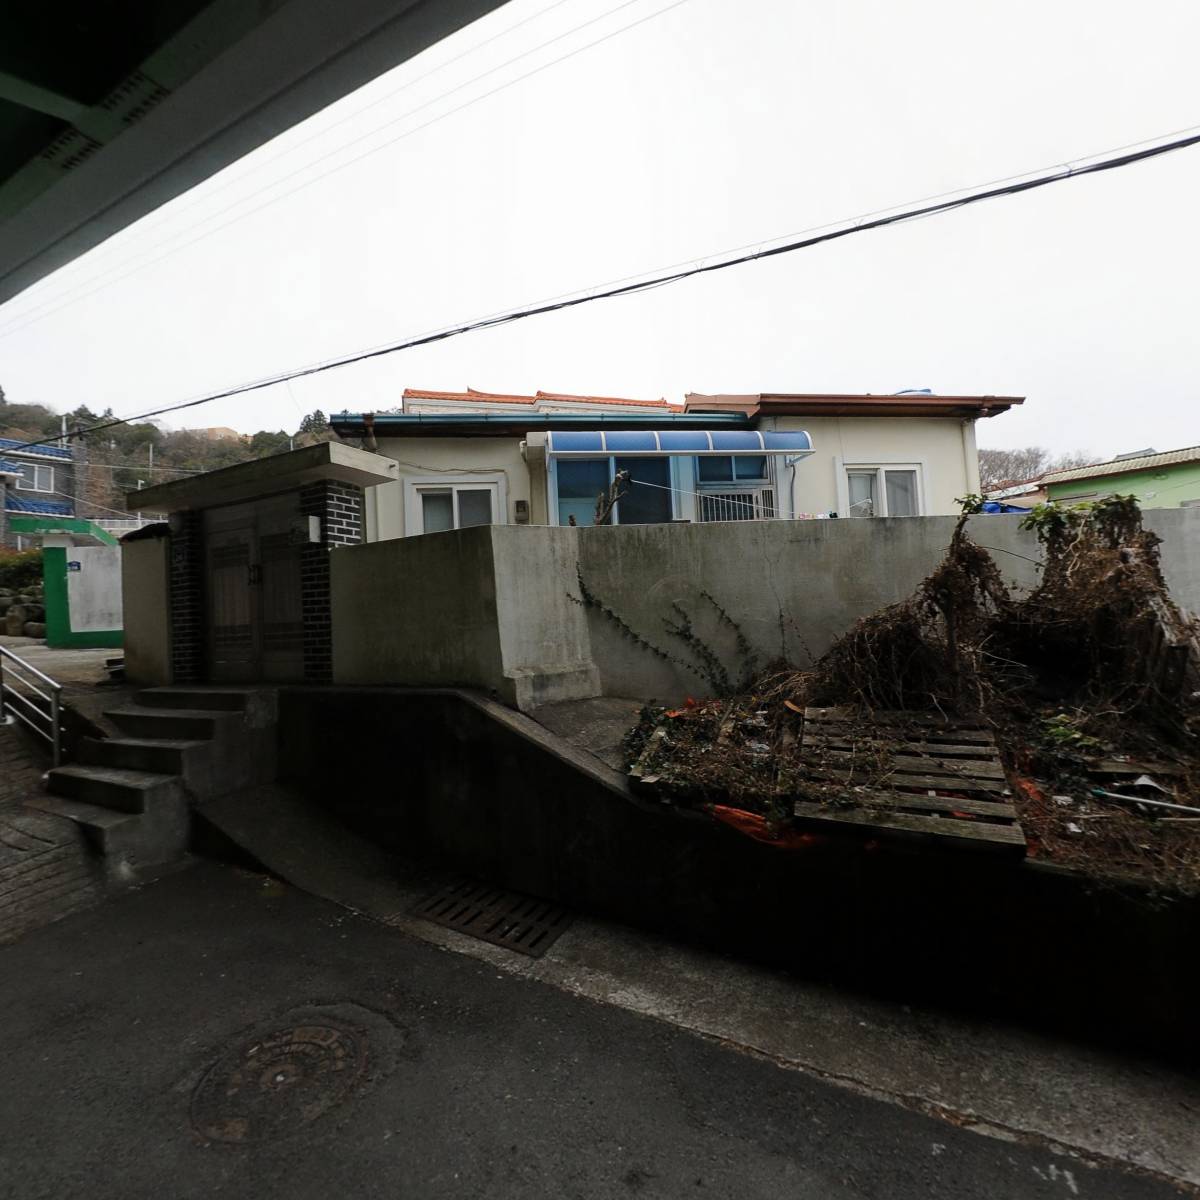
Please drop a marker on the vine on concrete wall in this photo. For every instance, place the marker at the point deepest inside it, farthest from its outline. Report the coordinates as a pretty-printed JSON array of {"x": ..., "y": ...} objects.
[
  {"x": 746, "y": 653},
  {"x": 706, "y": 661},
  {"x": 589, "y": 599}
]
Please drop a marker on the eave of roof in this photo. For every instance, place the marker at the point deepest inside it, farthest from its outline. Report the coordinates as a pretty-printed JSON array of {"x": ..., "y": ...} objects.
[
  {"x": 1123, "y": 466},
  {"x": 264, "y": 477},
  {"x": 387, "y": 425},
  {"x": 832, "y": 404}
]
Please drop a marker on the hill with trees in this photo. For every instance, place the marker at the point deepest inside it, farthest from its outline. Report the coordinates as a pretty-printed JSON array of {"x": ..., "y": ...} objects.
[{"x": 144, "y": 451}]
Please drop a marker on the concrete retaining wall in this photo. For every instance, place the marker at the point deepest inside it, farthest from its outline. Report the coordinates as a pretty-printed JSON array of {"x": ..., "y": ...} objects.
[
  {"x": 793, "y": 587},
  {"x": 501, "y": 608},
  {"x": 488, "y": 607},
  {"x": 463, "y": 781}
]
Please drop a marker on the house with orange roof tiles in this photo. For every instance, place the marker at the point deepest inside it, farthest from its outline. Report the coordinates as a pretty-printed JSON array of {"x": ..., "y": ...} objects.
[{"x": 546, "y": 458}]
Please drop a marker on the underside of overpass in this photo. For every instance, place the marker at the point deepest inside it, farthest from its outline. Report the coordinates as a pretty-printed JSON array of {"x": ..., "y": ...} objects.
[{"x": 107, "y": 111}]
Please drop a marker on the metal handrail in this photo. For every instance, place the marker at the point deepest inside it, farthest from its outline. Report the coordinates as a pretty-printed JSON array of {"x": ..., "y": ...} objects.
[{"x": 25, "y": 710}]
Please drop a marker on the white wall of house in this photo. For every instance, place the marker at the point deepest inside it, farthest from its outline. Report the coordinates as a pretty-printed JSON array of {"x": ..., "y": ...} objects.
[
  {"x": 393, "y": 509},
  {"x": 941, "y": 450}
]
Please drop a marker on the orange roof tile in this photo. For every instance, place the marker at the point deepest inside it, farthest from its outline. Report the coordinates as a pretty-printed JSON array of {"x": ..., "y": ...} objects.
[{"x": 472, "y": 395}]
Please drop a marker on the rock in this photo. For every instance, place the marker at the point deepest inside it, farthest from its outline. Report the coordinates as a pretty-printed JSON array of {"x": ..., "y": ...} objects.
[
  {"x": 14, "y": 620},
  {"x": 35, "y": 612},
  {"x": 35, "y": 629}
]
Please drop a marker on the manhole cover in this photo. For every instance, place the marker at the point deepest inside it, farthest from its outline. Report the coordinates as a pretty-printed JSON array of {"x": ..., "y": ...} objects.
[
  {"x": 510, "y": 919},
  {"x": 274, "y": 1084}
]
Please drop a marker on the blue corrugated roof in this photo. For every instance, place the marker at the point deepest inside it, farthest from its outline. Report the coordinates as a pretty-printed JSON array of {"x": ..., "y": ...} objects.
[
  {"x": 12, "y": 444},
  {"x": 49, "y": 508},
  {"x": 9, "y": 465},
  {"x": 670, "y": 441}
]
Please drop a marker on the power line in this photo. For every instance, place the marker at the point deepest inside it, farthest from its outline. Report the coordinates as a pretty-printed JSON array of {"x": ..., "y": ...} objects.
[
  {"x": 120, "y": 512},
  {"x": 103, "y": 280},
  {"x": 830, "y": 235},
  {"x": 763, "y": 243}
]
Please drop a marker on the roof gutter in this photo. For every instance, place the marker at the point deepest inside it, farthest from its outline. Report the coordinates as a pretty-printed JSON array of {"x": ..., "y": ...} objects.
[{"x": 385, "y": 425}]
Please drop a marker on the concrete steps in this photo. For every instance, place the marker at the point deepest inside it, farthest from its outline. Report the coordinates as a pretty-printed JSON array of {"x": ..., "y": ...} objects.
[
  {"x": 205, "y": 699},
  {"x": 173, "y": 724},
  {"x": 93, "y": 817},
  {"x": 164, "y": 756},
  {"x": 118, "y": 788},
  {"x": 131, "y": 795},
  {"x": 130, "y": 843}
]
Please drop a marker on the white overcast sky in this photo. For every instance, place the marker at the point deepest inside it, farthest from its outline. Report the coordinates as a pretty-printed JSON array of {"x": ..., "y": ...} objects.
[{"x": 709, "y": 126}]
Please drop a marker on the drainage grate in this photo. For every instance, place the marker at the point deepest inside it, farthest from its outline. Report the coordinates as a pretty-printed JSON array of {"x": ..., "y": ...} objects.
[{"x": 510, "y": 919}]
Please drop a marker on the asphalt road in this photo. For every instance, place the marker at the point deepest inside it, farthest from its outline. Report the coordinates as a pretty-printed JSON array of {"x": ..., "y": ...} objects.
[{"x": 138, "y": 1062}]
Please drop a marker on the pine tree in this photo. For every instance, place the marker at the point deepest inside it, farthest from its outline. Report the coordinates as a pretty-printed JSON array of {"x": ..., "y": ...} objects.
[{"x": 315, "y": 422}]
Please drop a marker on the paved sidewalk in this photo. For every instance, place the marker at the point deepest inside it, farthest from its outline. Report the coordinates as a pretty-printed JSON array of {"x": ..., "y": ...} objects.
[
  {"x": 974, "y": 1073},
  {"x": 140, "y": 1062},
  {"x": 65, "y": 666}
]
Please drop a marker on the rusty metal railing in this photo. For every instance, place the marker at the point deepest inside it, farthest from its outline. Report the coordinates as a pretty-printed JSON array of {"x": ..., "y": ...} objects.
[{"x": 20, "y": 682}]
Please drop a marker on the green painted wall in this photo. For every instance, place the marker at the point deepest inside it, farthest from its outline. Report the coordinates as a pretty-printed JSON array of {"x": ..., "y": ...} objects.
[
  {"x": 34, "y": 525},
  {"x": 1162, "y": 487},
  {"x": 59, "y": 633}
]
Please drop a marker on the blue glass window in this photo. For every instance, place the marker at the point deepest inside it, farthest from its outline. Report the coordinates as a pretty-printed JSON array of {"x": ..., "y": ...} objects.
[
  {"x": 726, "y": 468},
  {"x": 648, "y": 501},
  {"x": 580, "y": 482}
]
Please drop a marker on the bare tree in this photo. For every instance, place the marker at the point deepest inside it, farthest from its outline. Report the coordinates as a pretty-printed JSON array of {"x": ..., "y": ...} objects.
[
  {"x": 607, "y": 501},
  {"x": 997, "y": 467}
]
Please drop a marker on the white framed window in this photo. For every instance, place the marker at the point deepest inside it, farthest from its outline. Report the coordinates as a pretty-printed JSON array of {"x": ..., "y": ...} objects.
[
  {"x": 33, "y": 477},
  {"x": 882, "y": 490},
  {"x": 454, "y": 502}
]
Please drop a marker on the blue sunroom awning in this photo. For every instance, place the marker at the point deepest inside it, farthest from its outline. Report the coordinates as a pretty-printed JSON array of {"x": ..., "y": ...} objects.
[{"x": 577, "y": 443}]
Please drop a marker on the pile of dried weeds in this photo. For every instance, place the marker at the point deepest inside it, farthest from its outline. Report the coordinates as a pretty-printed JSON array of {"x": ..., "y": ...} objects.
[{"x": 1064, "y": 675}]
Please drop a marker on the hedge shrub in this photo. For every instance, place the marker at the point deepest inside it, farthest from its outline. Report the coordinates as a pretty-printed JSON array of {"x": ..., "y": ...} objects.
[{"x": 20, "y": 569}]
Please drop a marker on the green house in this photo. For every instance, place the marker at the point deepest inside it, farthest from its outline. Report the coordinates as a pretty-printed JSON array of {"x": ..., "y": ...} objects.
[{"x": 1167, "y": 480}]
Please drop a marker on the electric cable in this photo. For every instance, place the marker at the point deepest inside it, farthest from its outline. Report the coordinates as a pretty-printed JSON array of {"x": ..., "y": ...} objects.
[{"x": 703, "y": 268}]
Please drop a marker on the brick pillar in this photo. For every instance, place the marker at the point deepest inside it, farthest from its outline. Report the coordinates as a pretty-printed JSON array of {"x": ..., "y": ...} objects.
[
  {"x": 340, "y": 509},
  {"x": 186, "y": 584}
]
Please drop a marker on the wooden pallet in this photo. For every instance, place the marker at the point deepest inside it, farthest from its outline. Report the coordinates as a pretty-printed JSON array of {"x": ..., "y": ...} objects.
[{"x": 944, "y": 780}]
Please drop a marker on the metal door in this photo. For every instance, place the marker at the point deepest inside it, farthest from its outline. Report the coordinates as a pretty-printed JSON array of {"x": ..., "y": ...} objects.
[
  {"x": 230, "y": 555},
  {"x": 280, "y": 613},
  {"x": 255, "y": 624}
]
